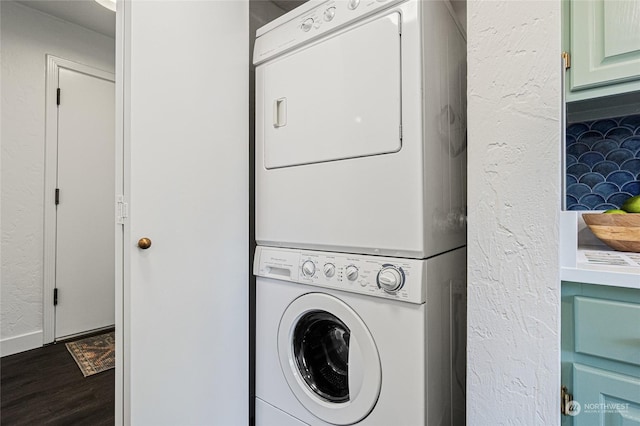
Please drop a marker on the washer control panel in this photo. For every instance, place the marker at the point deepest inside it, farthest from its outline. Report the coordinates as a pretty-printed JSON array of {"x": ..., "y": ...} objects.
[{"x": 388, "y": 277}]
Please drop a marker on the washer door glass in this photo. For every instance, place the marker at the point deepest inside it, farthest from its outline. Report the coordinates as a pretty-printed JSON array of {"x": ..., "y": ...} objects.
[{"x": 321, "y": 351}]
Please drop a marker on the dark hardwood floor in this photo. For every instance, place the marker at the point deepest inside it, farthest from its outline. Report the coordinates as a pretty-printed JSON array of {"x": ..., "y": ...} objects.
[{"x": 44, "y": 386}]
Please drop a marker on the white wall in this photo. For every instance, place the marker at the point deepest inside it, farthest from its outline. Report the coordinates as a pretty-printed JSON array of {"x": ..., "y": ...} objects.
[
  {"x": 26, "y": 37},
  {"x": 514, "y": 203}
]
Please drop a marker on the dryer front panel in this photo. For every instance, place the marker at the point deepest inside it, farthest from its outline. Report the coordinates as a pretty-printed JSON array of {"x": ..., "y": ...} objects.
[
  {"x": 336, "y": 99},
  {"x": 333, "y": 174}
]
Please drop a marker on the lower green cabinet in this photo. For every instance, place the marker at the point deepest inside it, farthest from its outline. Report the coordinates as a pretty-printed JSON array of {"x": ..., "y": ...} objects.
[
  {"x": 605, "y": 397},
  {"x": 601, "y": 354}
]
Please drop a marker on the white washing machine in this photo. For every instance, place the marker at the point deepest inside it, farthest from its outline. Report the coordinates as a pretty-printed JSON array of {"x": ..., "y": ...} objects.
[
  {"x": 347, "y": 339},
  {"x": 361, "y": 128}
]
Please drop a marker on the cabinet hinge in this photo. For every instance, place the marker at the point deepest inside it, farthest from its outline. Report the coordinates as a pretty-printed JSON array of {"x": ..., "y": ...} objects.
[
  {"x": 566, "y": 56},
  {"x": 55, "y": 296},
  {"x": 57, "y": 196},
  {"x": 122, "y": 210},
  {"x": 568, "y": 407},
  {"x": 58, "y": 96}
]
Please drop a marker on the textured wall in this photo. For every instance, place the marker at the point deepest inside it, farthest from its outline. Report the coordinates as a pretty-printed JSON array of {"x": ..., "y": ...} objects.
[
  {"x": 26, "y": 37},
  {"x": 514, "y": 112}
]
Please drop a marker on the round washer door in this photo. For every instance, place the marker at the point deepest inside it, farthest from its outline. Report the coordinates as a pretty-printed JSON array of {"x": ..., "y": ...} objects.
[{"x": 329, "y": 359}]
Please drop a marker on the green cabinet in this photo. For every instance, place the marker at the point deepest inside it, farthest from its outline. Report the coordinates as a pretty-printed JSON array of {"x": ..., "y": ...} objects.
[
  {"x": 603, "y": 38},
  {"x": 601, "y": 354}
]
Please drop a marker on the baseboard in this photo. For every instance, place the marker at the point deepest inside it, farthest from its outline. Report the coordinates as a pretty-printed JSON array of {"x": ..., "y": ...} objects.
[{"x": 24, "y": 342}]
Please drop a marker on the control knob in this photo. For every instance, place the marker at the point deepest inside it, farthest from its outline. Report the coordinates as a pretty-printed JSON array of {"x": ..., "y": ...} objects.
[
  {"x": 390, "y": 278},
  {"x": 307, "y": 24},
  {"x": 329, "y": 14},
  {"x": 352, "y": 273},
  {"x": 329, "y": 270},
  {"x": 308, "y": 268},
  {"x": 353, "y": 4}
]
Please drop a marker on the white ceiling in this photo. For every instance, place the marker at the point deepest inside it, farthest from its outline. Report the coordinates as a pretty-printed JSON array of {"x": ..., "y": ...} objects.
[
  {"x": 86, "y": 13},
  {"x": 89, "y": 14}
]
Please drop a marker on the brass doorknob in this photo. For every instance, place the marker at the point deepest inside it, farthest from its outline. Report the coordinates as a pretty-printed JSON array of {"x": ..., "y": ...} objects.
[{"x": 144, "y": 243}]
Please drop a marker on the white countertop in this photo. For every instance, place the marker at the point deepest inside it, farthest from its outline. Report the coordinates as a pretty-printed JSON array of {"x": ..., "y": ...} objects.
[{"x": 585, "y": 259}]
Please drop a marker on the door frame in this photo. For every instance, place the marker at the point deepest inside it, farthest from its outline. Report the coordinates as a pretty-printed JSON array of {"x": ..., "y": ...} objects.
[
  {"x": 122, "y": 232},
  {"x": 54, "y": 64}
]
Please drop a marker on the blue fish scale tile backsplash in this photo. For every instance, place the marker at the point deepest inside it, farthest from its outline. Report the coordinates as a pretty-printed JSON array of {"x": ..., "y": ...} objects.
[{"x": 603, "y": 163}]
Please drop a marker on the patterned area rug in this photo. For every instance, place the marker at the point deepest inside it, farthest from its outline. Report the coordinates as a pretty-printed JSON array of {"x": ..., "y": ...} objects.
[{"x": 94, "y": 354}]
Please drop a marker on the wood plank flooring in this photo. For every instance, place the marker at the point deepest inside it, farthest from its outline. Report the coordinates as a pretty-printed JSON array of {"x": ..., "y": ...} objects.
[{"x": 44, "y": 386}]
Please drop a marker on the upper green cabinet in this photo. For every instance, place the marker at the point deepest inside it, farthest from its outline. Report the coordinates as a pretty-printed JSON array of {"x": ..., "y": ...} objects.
[{"x": 604, "y": 42}]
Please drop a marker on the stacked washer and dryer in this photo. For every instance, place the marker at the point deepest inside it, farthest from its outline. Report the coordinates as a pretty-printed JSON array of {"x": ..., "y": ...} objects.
[{"x": 360, "y": 215}]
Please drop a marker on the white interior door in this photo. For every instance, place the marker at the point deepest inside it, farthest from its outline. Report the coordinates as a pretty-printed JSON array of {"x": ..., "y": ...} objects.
[
  {"x": 85, "y": 264},
  {"x": 185, "y": 298}
]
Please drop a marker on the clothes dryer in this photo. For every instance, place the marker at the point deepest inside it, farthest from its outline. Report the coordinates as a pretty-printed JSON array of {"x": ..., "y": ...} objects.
[
  {"x": 347, "y": 339},
  {"x": 361, "y": 128}
]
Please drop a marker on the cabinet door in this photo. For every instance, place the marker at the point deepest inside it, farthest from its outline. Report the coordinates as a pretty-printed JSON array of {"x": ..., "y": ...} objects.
[
  {"x": 600, "y": 354},
  {"x": 606, "y": 398},
  {"x": 605, "y": 43}
]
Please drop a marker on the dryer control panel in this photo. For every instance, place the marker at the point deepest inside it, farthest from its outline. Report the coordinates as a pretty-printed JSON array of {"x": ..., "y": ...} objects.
[
  {"x": 309, "y": 22},
  {"x": 387, "y": 277}
]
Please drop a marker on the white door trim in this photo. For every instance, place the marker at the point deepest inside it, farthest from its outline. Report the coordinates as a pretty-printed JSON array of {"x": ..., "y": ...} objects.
[
  {"x": 50, "y": 178},
  {"x": 123, "y": 69}
]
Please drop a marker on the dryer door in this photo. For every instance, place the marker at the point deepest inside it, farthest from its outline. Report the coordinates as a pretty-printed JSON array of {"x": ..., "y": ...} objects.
[
  {"x": 338, "y": 98},
  {"x": 329, "y": 359}
]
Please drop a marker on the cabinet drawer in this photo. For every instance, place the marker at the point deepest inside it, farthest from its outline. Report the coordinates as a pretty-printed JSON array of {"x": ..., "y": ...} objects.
[{"x": 608, "y": 329}]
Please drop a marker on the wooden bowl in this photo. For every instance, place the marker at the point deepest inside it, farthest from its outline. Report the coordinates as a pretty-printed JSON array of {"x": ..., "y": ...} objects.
[{"x": 619, "y": 231}]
